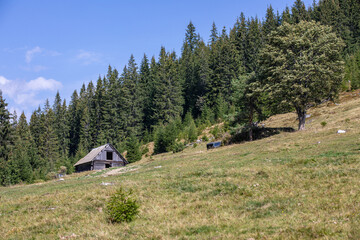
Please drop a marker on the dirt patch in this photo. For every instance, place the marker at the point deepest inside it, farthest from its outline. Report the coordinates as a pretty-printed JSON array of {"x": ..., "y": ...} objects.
[{"x": 118, "y": 171}]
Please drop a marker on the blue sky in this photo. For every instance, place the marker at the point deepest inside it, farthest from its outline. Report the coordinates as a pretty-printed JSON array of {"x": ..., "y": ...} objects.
[{"x": 53, "y": 45}]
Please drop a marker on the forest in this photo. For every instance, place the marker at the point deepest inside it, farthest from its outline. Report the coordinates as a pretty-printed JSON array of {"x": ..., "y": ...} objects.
[{"x": 235, "y": 77}]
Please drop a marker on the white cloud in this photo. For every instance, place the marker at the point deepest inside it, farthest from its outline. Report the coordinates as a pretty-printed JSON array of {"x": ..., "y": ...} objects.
[
  {"x": 30, "y": 94},
  {"x": 41, "y": 83},
  {"x": 3, "y": 80},
  {"x": 88, "y": 57},
  {"x": 30, "y": 53}
]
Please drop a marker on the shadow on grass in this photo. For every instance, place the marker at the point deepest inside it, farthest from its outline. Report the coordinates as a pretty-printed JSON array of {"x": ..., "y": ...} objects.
[{"x": 258, "y": 133}]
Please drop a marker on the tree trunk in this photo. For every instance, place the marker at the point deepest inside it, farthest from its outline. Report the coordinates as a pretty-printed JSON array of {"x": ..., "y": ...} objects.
[{"x": 301, "y": 116}]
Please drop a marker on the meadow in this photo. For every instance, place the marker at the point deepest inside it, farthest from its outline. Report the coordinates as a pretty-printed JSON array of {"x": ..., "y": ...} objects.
[{"x": 300, "y": 185}]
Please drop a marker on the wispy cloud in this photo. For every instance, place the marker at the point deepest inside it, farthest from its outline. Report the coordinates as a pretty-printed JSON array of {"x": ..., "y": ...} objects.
[
  {"x": 3, "y": 81},
  {"x": 25, "y": 93},
  {"x": 87, "y": 57},
  {"x": 30, "y": 53}
]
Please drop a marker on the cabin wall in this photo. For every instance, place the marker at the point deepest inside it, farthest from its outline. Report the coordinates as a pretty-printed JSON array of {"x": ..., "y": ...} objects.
[
  {"x": 83, "y": 167},
  {"x": 100, "y": 164},
  {"x": 102, "y": 155}
]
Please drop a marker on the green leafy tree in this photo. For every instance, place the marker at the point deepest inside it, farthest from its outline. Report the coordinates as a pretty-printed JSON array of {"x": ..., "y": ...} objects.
[{"x": 303, "y": 66}]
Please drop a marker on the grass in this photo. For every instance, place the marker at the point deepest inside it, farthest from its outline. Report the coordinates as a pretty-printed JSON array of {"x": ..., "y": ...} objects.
[{"x": 302, "y": 185}]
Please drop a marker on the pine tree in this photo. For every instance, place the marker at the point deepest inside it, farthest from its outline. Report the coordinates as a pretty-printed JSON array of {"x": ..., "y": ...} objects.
[
  {"x": 74, "y": 117},
  {"x": 203, "y": 74},
  {"x": 299, "y": 12},
  {"x": 168, "y": 99},
  {"x": 253, "y": 45},
  {"x": 271, "y": 22},
  {"x": 214, "y": 35},
  {"x": 146, "y": 90},
  {"x": 189, "y": 71},
  {"x": 286, "y": 16},
  {"x": 133, "y": 149},
  {"x": 61, "y": 125},
  {"x": 131, "y": 100},
  {"x": 6, "y": 141},
  {"x": 20, "y": 161},
  {"x": 225, "y": 65},
  {"x": 48, "y": 148},
  {"x": 238, "y": 37}
]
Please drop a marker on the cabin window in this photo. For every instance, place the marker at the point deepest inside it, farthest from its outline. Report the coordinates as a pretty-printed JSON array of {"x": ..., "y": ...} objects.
[
  {"x": 109, "y": 156},
  {"x": 107, "y": 165}
]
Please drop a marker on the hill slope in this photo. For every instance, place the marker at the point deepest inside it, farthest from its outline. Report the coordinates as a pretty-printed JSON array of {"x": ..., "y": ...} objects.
[{"x": 289, "y": 186}]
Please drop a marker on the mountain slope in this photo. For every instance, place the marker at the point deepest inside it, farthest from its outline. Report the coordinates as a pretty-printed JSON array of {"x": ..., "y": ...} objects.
[{"x": 288, "y": 186}]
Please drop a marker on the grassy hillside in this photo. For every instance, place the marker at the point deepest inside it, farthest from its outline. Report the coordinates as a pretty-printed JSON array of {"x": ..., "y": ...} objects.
[{"x": 289, "y": 186}]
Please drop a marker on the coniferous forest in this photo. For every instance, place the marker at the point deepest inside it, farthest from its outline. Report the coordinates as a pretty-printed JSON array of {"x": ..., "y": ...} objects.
[{"x": 235, "y": 76}]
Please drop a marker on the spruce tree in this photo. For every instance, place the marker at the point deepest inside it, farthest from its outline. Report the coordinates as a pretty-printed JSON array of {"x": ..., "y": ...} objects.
[
  {"x": 225, "y": 65},
  {"x": 74, "y": 118},
  {"x": 146, "y": 90},
  {"x": 131, "y": 100},
  {"x": 299, "y": 12},
  {"x": 168, "y": 99},
  {"x": 20, "y": 161},
  {"x": 48, "y": 148},
  {"x": 271, "y": 23},
  {"x": 133, "y": 149},
  {"x": 6, "y": 141}
]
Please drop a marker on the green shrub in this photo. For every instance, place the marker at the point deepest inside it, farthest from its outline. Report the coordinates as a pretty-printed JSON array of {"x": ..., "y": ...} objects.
[
  {"x": 323, "y": 124},
  {"x": 192, "y": 132},
  {"x": 121, "y": 207},
  {"x": 133, "y": 149},
  {"x": 177, "y": 147},
  {"x": 195, "y": 145},
  {"x": 215, "y": 132},
  {"x": 51, "y": 175},
  {"x": 205, "y": 138}
]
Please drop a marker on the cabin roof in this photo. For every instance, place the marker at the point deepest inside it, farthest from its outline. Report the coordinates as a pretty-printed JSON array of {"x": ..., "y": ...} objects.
[{"x": 94, "y": 152}]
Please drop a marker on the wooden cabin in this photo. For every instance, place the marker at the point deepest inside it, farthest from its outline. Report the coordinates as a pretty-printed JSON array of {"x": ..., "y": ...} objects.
[{"x": 102, "y": 157}]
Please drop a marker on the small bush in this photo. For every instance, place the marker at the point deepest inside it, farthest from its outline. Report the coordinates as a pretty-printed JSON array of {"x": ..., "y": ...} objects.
[
  {"x": 51, "y": 175},
  {"x": 177, "y": 147},
  {"x": 62, "y": 170},
  {"x": 323, "y": 124},
  {"x": 205, "y": 138},
  {"x": 195, "y": 145},
  {"x": 215, "y": 132},
  {"x": 121, "y": 207}
]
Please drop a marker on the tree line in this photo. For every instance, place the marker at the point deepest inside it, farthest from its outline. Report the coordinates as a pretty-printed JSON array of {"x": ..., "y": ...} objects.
[{"x": 242, "y": 76}]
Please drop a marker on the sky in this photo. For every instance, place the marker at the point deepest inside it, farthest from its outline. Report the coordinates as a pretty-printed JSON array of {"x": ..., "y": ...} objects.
[{"x": 49, "y": 46}]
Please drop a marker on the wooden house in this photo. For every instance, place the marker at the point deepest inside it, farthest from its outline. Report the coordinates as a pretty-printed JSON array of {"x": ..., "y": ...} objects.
[{"x": 102, "y": 157}]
